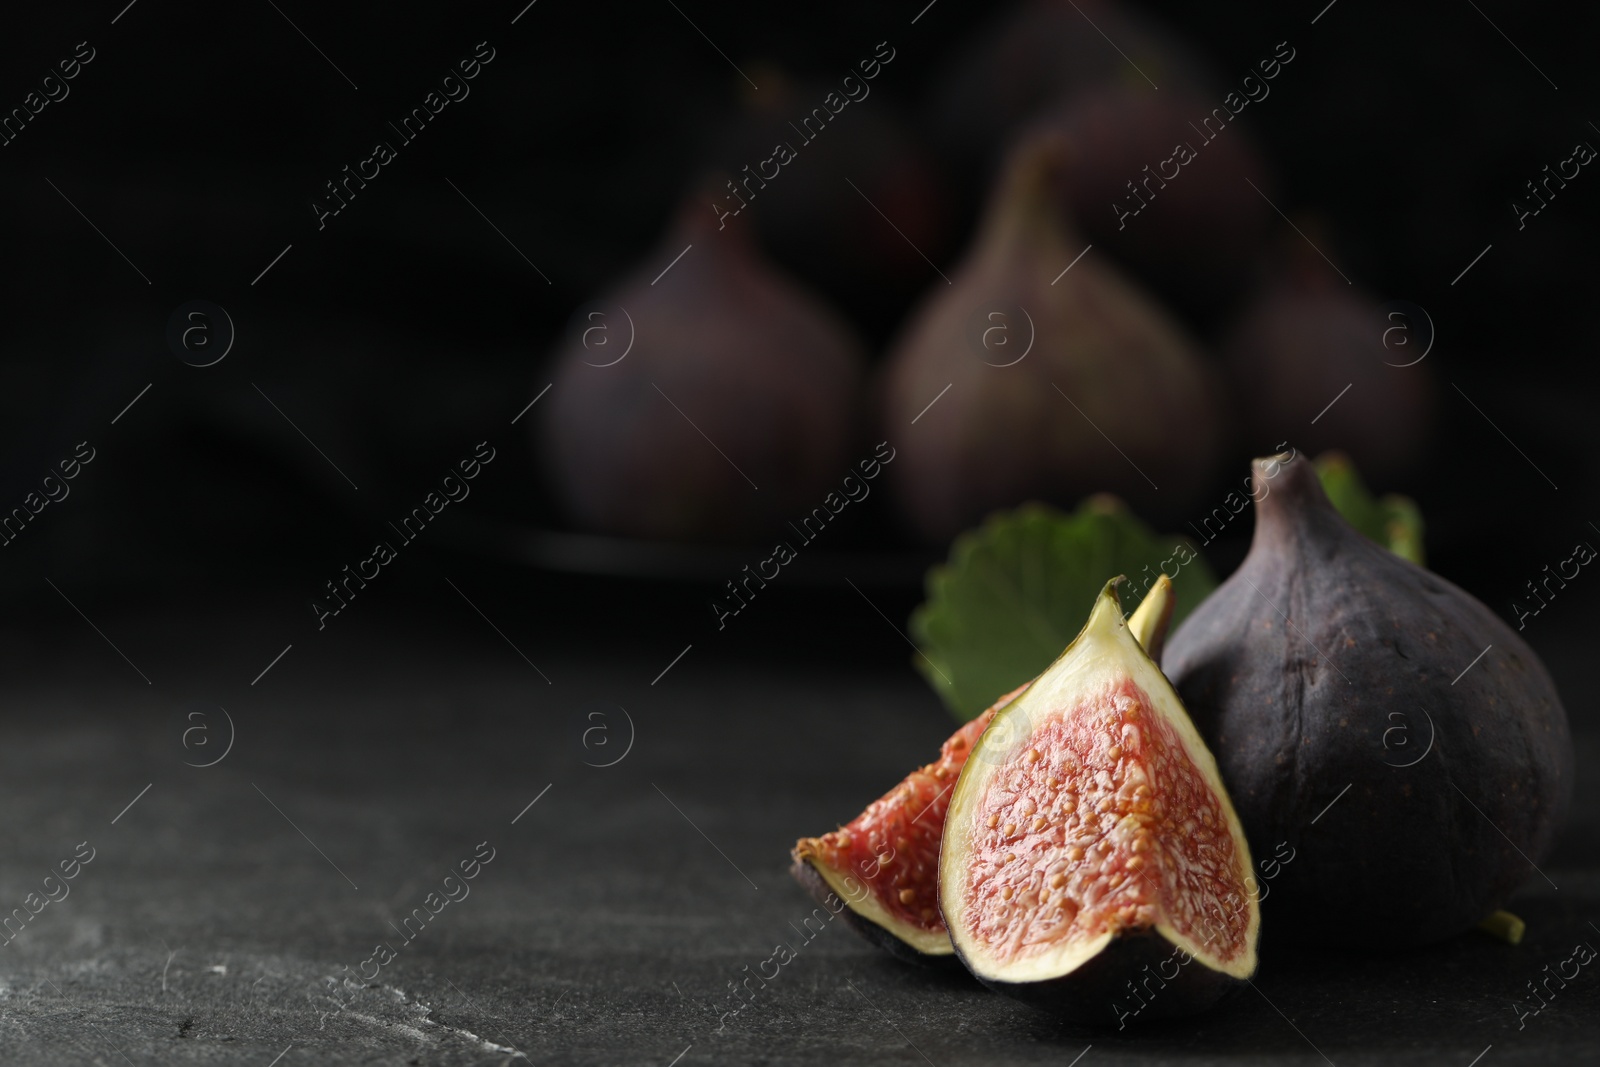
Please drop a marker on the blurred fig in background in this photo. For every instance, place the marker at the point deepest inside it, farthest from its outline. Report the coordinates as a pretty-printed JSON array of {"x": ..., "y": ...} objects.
[
  {"x": 1163, "y": 181},
  {"x": 1043, "y": 52},
  {"x": 817, "y": 214},
  {"x": 707, "y": 397},
  {"x": 1024, "y": 379},
  {"x": 1310, "y": 339}
]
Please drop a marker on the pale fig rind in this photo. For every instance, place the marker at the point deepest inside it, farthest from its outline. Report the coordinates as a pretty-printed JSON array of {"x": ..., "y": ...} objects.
[
  {"x": 812, "y": 881},
  {"x": 1094, "y": 992},
  {"x": 1394, "y": 732}
]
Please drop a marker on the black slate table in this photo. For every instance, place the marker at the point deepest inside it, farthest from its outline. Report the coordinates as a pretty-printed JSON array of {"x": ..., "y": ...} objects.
[{"x": 620, "y": 903}]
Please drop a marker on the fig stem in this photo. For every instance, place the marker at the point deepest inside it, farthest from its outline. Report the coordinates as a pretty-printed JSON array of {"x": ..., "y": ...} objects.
[
  {"x": 1150, "y": 620},
  {"x": 1504, "y": 926}
]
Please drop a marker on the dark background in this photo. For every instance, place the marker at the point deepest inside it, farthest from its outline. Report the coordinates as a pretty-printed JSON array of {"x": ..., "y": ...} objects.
[{"x": 408, "y": 330}]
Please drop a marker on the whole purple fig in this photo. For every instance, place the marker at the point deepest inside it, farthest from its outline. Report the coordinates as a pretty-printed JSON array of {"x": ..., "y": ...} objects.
[
  {"x": 716, "y": 401},
  {"x": 817, "y": 214},
  {"x": 1310, "y": 338},
  {"x": 1393, "y": 747},
  {"x": 1042, "y": 372},
  {"x": 1165, "y": 187},
  {"x": 1045, "y": 51}
]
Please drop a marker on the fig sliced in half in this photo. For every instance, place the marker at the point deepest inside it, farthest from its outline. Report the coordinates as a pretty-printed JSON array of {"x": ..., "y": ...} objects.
[
  {"x": 884, "y": 865},
  {"x": 1091, "y": 855}
]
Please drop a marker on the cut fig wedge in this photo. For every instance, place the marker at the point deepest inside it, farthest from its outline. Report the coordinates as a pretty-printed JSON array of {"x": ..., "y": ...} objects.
[
  {"x": 1092, "y": 862},
  {"x": 884, "y": 864}
]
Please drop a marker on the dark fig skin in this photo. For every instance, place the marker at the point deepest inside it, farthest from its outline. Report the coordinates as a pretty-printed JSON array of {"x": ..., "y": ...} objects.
[
  {"x": 1326, "y": 661},
  {"x": 812, "y": 222},
  {"x": 813, "y": 883},
  {"x": 1092, "y": 994},
  {"x": 1010, "y": 433},
  {"x": 1036, "y": 54},
  {"x": 1195, "y": 243},
  {"x": 738, "y": 378},
  {"x": 1305, "y": 336}
]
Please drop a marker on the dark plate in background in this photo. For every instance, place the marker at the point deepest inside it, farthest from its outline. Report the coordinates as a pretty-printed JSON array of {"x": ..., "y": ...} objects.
[{"x": 566, "y": 552}]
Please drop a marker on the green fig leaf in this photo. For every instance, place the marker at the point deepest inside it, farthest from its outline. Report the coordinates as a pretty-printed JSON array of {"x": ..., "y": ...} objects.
[
  {"x": 1394, "y": 521},
  {"x": 1015, "y": 592}
]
